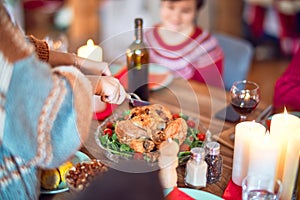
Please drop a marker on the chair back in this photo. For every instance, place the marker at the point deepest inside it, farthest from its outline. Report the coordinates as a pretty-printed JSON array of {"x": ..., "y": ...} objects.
[{"x": 238, "y": 54}]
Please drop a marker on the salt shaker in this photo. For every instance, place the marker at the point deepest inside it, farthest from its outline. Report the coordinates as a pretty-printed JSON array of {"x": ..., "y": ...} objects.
[
  {"x": 214, "y": 162},
  {"x": 196, "y": 168},
  {"x": 168, "y": 162}
]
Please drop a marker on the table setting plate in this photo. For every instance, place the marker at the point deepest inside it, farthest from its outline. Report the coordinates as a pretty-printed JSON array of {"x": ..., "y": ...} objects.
[
  {"x": 56, "y": 191},
  {"x": 77, "y": 158}
]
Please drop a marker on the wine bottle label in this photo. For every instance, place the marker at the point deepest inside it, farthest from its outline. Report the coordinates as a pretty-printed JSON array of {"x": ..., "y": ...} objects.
[{"x": 138, "y": 63}]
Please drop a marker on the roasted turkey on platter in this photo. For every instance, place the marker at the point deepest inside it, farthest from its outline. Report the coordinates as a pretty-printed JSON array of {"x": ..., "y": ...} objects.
[{"x": 147, "y": 127}]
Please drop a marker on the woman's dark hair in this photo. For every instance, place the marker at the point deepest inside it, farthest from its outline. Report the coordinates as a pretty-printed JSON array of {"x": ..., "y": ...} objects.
[{"x": 198, "y": 5}]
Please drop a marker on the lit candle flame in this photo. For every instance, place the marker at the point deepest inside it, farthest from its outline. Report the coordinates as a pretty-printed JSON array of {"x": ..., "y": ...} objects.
[
  {"x": 90, "y": 42},
  {"x": 285, "y": 114},
  {"x": 285, "y": 111}
]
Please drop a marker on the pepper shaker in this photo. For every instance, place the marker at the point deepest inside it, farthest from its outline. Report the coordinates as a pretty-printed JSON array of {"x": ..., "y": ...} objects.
[
  {"x": 168, "y": 162},
  {"x": 196, "y": 168},
  {"x": 214, "y": 162}
]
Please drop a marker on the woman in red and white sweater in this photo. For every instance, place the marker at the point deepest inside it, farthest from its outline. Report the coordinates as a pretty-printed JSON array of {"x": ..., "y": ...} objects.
[{"x": 179, "y": 44}]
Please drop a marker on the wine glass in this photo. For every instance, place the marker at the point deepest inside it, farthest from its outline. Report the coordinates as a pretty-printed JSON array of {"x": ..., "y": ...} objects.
[{"x": 245, "y": 96}]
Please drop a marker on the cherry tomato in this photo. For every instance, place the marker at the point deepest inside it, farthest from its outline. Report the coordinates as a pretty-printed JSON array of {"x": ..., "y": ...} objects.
[
  {"x": 191, "y": 123},
  {"x": 175, "y": 116},
  {"x": 201, "y": 136},
  {"x": 138, "y": 156},
  {"x": 110, "y": 125},
  {"x": 108, "y": 131},
  {"x": 184, "y": 147}
]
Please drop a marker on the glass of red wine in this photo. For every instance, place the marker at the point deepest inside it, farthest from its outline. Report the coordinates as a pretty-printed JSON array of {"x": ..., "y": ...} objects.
[{"x": 245, "y": 96}]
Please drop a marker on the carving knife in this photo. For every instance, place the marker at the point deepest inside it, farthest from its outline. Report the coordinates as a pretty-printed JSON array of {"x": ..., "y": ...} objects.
[{"x": 135, "y": 100}]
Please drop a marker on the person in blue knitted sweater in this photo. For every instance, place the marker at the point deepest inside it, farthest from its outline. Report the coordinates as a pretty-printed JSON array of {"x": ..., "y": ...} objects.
[{"x": 45, "y": 112}]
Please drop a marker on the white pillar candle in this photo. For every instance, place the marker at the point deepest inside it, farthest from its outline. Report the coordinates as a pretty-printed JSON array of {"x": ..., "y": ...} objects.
[
  {"x": 90, "y": 51},
  {"x": 291, "y": 165},
  {"x": 244, "y": 131},
  {"x": 93, "y": 52},
  {"x": 263, "y": 156},
  {"x": 282, "y": 126}
]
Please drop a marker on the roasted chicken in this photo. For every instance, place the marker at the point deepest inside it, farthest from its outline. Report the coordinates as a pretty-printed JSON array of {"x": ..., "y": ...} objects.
[{"x": 148, "y": 126}]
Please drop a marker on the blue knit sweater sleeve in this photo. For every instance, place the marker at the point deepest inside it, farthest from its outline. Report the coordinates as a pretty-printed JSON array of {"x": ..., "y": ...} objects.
[{"x": 32, "y": 132}]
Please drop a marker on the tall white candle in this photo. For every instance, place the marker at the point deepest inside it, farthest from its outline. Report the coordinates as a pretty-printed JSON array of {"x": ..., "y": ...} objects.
[
  {"x": 291, "y": 165},
  {"x": 93, "y": 52},
  {"x": 282, "y": 126},
  {"x": 244, "y": 131},
  {"x": 263, "y": 156}
]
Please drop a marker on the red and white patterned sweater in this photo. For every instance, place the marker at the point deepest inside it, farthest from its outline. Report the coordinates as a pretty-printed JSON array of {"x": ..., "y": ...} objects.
[{"x": 199, "y": 57}]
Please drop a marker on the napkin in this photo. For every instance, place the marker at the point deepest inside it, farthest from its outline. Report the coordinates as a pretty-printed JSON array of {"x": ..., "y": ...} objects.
[
  {"x": 122, "y": 76},
  {"x": 177, "y": 194},
  {"x": 232, "y": 191},
  {"x": 105, "y": 113}
]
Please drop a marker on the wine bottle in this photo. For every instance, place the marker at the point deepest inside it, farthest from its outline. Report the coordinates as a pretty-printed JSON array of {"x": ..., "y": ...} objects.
[{"x": 137, "y": 63}]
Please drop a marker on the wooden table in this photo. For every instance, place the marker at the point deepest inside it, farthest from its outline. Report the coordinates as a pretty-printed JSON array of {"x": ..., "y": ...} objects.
[{"x": 195, "y": 100}]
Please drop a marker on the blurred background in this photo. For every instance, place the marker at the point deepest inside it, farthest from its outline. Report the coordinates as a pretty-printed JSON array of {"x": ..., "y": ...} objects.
[
  {"x": 110, "y": 23},
  {"x": 102, "y": 19}
]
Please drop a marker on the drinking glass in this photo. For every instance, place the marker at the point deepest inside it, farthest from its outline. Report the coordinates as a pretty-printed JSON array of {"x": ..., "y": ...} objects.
[
  {"x": 261, "y": 187},
  {"x": 245, "y": 96}
]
